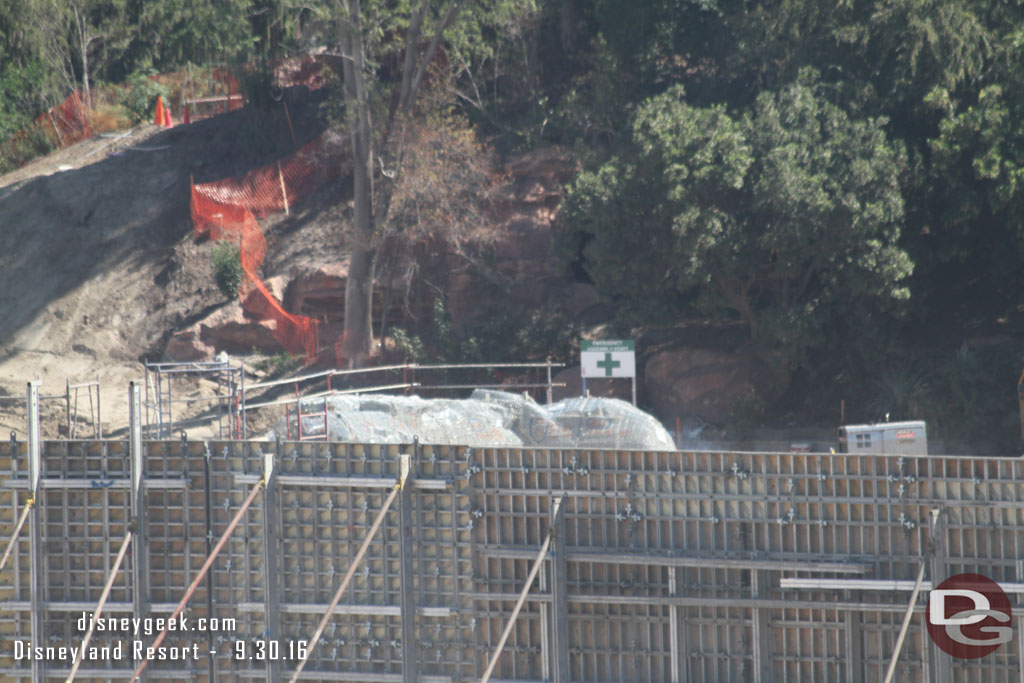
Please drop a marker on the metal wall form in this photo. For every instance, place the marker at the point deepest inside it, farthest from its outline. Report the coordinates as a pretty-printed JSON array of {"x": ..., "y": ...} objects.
[{"x": 669, "y": 564}]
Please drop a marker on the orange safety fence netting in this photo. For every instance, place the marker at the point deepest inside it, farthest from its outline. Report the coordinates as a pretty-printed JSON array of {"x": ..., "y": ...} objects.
[
  {"x": 224, "y": 210},
  {"x": 63, "y": 125}
]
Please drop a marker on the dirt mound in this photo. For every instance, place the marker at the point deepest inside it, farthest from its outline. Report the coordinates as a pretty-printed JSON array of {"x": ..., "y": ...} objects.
[{"x": 97, "y": 260}]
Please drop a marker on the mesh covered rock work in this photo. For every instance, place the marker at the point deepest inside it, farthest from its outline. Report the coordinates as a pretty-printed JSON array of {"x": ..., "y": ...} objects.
[{"x": 487, "y": 418}]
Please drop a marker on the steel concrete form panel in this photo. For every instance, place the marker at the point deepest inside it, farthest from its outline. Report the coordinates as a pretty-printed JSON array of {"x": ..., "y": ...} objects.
[{"x": 671, "y": 561}]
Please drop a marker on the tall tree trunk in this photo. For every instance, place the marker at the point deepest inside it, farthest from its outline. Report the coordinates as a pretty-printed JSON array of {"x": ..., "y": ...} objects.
[
  {"x": 370, "y": 204},
  {"x": 358, "y": 338}
]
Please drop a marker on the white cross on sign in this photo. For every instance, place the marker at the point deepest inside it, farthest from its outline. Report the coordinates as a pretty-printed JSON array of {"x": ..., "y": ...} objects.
[{"x": 608, "y": 358}]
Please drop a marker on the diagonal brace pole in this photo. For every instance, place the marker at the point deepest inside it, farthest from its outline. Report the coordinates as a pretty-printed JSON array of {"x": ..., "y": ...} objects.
[
  {"x": 399, "y": 485},
  {"x": 906, "y": 624},
  {"x": 80, "y": 655},
  {"x": 202, "y": 572},
  {"x": 17, "y": 530},
  {"x": 522, "y": 597}
]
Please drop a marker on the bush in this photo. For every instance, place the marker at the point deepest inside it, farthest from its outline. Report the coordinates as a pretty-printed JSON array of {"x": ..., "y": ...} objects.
[
  {"x": 278, "y": 364},
  {"x": 140, "y": 99},
  {"x": 227, "y": 268}
]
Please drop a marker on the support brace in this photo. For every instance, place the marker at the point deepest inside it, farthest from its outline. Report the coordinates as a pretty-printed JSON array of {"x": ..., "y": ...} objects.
[
  {"x": 537, "y": 563},
  {"x": 906, "y": 624},
  {"x": 17, "y": 530},
  {"x": 202, "y": 572},
  {"x": 399, "y": 485},
  {"x": 99, "y": 606}
]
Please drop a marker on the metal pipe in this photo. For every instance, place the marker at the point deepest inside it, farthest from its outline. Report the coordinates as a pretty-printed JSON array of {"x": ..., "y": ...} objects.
[
  {"x": 298, "y": 413},
  {"x": 35, "y": 468},
  {"x": 67, "y": 406},
  {"x": 906, "y": 624},
  {"x": 117, "y": 484},
  {"x": 537, "y": 385},
  {"x": 387, "y": 368},
  {"x": 17, "y": 530},
  {"x": 873, "y": 584},
  {"x": 549, "y": 393},
  {"x": 307, "y": 480},
  {"x": 241, "y": 415},
  {"x": 80, "y": 655},
  {"x": 335, "y": 392},
  {"x": 202, "y": 572},
  {"x": 345, "y": 581},
  {"x": 655, "y": 559},
  {"x": 99, "y": 414}
]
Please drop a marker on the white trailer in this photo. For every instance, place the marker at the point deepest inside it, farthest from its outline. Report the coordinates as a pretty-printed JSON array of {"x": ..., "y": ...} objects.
[{"x": 903, "y": 438}]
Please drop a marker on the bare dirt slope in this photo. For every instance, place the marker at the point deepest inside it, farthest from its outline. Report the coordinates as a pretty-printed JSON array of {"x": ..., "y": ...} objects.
[{"x": 97, "y": 259}]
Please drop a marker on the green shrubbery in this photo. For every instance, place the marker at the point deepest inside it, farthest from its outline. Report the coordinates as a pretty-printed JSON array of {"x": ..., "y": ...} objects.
[
  {"x": 140, "y": 97},
  {"x": 227, "y": 268}
]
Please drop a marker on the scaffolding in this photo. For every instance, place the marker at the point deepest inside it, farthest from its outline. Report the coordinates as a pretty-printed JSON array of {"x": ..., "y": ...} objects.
[{"x": 229, "y": 386}]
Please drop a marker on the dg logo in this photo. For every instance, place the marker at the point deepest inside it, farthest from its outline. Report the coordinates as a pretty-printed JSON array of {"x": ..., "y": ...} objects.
[{"x": 969, "y": 616}]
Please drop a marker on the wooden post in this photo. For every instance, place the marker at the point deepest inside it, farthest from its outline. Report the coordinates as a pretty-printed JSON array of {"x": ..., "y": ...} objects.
[
  {"x": 289, "y": 117},
  {"x": 284, "y": 192}
]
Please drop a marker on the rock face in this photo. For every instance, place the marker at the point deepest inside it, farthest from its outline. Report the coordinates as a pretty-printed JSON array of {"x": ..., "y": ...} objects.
[
  {"x": 228, "y": 329},
  {"x": 521, "y": 267},
  {"x": 701, "y": 382},
  {"x": 318, "y": 291}
]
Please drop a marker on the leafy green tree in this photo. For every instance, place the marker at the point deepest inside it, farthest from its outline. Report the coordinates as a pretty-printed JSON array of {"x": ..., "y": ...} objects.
[
  {"x": 972, "y": 237},
  {"x": 787, "y": 216}
]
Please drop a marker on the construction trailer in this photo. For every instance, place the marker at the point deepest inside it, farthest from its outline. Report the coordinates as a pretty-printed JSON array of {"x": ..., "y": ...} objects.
[{"x": 888, "y": 438}]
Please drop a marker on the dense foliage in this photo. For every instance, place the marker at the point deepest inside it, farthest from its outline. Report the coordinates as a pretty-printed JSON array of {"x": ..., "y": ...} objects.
[{"x": 788, "y": 216}]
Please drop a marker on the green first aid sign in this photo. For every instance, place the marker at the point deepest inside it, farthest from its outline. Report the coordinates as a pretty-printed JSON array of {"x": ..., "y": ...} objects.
[{"x": 608, "y": 358}]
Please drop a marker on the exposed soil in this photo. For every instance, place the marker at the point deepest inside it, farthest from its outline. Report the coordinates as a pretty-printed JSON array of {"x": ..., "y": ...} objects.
[{"x": 97, "y": 259}]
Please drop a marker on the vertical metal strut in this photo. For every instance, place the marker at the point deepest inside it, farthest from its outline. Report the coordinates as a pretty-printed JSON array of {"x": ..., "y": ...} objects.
[
  {"x": 270, "y": 553},
  {"x": 35, "y": 467},
  {"x": 405, "y": 569},
  {"x": 140, "y": 540}
]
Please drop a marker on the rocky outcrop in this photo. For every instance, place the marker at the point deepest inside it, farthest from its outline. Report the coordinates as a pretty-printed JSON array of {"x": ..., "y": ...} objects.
[
  {"x": 229, "y": 329},
  {"x": 699, "y": 382},
  {"x": 319, "y": 291}
]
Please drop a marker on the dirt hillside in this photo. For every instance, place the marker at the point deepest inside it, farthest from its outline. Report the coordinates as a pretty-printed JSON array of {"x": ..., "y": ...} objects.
[{"x": 97, "y": 260}]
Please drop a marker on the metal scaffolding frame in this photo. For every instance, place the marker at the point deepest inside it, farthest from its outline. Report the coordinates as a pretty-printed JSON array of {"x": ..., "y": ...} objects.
[{"x": 159, "y": 400}]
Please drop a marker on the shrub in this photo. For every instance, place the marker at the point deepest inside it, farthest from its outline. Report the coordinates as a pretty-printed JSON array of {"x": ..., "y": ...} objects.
[
  {"x": 140, "y": 99},
  {"x": 227, "y": 268}
]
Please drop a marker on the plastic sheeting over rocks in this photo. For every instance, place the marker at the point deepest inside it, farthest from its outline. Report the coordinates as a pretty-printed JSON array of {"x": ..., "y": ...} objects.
[{"x": 487, "y": 418}]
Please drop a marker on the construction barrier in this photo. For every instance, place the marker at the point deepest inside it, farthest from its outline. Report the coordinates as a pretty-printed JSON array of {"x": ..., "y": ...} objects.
[
  {"x": 59, "y": 127},
  {"x": 225, "y": 210}
]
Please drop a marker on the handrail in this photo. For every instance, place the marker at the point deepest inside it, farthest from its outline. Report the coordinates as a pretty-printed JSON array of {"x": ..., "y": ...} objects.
[{"x": 404, "y": 366}]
